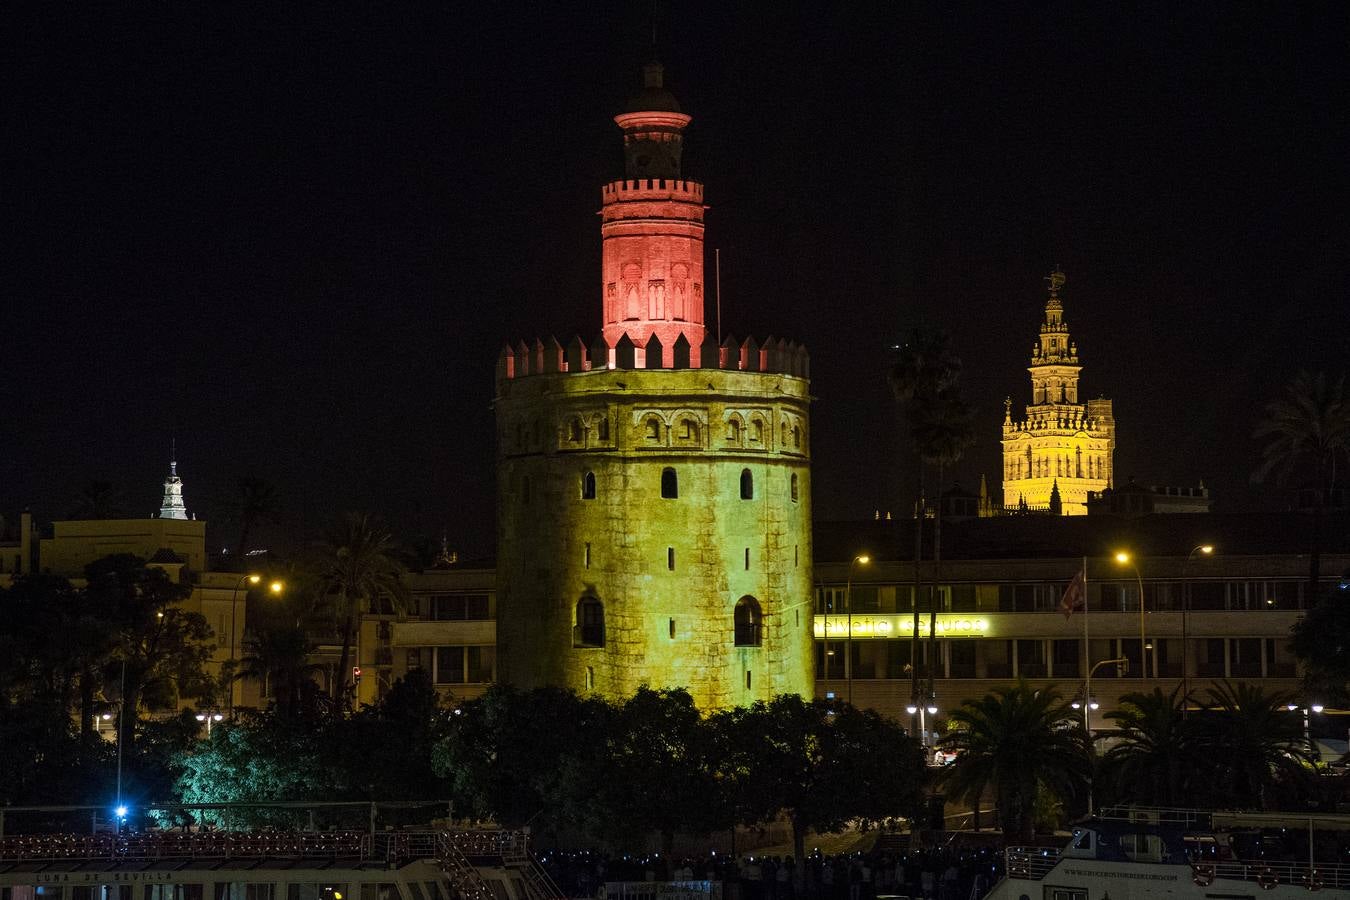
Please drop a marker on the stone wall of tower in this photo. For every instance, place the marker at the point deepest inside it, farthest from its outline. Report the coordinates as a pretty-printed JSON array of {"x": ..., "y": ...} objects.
[{"x": 668, "y": 571}]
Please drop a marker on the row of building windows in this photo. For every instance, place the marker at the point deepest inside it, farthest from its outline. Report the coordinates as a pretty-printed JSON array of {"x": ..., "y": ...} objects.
[
  {"x": 1103, "y": 596},
  {"x": 1241, "y": 657},
  {"x": 654, "y": 430},
  {"x": 474, "y": 664},
  {"x": 747, "y": 623}
]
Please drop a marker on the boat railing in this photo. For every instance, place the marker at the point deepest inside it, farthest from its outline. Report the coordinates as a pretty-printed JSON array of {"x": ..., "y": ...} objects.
[
  {"x": 1032, "y": 863},
  {"x": 1155, "y": 815},
  {"x": 1270, "y": 874},
  {"x": 388, "y": 846}
]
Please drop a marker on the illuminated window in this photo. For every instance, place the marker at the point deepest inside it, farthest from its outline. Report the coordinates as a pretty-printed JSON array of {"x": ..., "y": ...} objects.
[
  {"x": 588, "y": 486},
  {"x": 747, "y": 485},
  {"x": 749, "y": 626},
  {"x": 590, "y": 627},
  {"x": 794, "y": 488},
  {"x": 670, "y": 484}
]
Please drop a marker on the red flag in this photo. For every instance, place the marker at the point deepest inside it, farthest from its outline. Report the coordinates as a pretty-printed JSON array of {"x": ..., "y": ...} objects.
[{"x": 1074, "y": 596}]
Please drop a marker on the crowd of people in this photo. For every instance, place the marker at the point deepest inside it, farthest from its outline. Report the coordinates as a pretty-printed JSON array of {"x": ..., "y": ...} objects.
[{"x": 950, "y": 873}]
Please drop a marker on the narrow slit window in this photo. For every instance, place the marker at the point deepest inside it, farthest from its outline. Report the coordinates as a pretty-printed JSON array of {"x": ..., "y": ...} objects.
[
  {"x": 794, "y": 488},
  {"x": 670, "y": 484},
  {"x": 747, "y": 485},
  {"x": 588, "y": 486},
  {"x": 670, "y": 558},
  {"x": 588, "y": 554},
  {"x": 747, "y": 559},
  {"x": 672, "y": 629}
]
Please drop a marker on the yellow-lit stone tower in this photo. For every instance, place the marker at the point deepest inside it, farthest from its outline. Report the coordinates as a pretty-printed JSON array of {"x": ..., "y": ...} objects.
[
  {"x": 1063, "y": 448},
  {"x": 654, "y": 486}
]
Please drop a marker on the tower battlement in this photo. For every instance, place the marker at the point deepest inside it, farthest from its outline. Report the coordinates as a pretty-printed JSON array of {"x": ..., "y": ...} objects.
[
  {"x": 652, "y": 189},
  {"x": 776, "y": 356}
]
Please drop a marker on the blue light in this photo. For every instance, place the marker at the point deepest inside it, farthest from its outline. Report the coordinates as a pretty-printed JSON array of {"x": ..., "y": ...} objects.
[{"x": 121, "y": 812}]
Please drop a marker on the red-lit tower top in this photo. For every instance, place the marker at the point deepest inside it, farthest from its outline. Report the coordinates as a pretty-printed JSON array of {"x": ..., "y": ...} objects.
[{"x": 652, "y": 228}]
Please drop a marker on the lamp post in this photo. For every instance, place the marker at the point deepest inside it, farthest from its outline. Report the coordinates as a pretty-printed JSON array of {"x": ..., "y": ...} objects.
[
  {"x": 929, "y": 707},
  {"x": 209, "y": 718},
  {"x": 253, "y": 579},
  {"x": 1307, "y": 725},
  {"x": 1206, "y": 549},
  {"x": 1126, "y": 559},
  {"x": 861, "y": 559},
  {"x": 1089, "y": 704}
]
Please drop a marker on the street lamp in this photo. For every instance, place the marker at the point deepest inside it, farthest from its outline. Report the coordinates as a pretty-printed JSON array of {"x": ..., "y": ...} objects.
[
  {"x": 1206, "y": 549},
  {"x": 861, "y": 559},
  {"x": 1307, "y": 725},
  {"x": 253, "y": 579},
  {"x": 209, "y": 718},
  {"x": 931, "y": 708},
  {"x": 1092, "y": 704},
  {"x": 1126, "y": 559}
]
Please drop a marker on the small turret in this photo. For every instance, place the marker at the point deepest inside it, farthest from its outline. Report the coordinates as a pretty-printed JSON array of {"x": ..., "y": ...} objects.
[{"x": 172, "y": 507}]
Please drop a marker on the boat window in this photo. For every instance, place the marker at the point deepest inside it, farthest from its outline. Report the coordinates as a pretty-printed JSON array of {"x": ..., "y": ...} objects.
[
  {"x": 313, "y": 891},
  {"x": 1067, "y": 893},
  {"x": 242, "y": 890},
  {"x": 383, "y": 890},
  {"x": 1142, "y": 847},
  {"x": 1082, "y": 840},
  {"x": 172, "y": 892}
]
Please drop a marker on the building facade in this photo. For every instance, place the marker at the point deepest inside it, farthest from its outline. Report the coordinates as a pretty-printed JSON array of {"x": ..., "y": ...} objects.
[
  {"x": 1063, "y": 449},
  {"x": 1204, "y": 617},
  {"x": 654, "y": 495}
]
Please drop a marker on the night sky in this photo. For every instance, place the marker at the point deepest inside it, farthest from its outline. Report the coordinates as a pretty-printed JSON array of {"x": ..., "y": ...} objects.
[{"x": 295, "y": 238}]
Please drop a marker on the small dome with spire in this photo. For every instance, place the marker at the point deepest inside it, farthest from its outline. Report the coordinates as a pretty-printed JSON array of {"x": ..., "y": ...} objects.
[{"x": 654, "y": 97}]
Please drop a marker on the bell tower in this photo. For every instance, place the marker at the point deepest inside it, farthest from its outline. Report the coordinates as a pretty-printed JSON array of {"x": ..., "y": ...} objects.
[
  {"x": 652, "y": 228},
  {"x": 1063, "y": 450}
]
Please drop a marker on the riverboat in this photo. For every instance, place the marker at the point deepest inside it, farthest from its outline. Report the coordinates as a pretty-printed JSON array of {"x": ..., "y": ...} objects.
[
  {"x": 421, "y": 863},
  {"x": 1141, "y": 854}
]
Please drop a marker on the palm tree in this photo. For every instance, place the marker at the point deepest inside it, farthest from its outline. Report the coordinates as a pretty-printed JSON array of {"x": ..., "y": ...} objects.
[
  {"x": 279, "y": 654},
  {"x": 1251, "y": 741},
  {"x": 926, "y": 369},
  {"x": 98, "y": 500},
  {"x": 1156, "y": 753},
  {"x": 358, "y": 564},
  {"x": 1012, "y": 740},
  {"x": 1309, "y": 433},
  {"x": 255, "y": 502},
  {"x": 942, "y": 428}
]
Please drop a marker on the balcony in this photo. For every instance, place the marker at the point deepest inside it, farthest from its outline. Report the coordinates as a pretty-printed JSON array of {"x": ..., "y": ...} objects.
[{"x": 443, "y": 634}]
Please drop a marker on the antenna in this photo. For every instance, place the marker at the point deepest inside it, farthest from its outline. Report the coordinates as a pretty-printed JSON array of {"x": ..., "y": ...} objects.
[
  {"x": 653, "y": 28},
  {"x": 717, "y": 259}
]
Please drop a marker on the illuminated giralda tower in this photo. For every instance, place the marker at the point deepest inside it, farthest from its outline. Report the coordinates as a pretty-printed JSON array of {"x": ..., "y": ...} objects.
[
  {"x": 654, "y": 494},
  {"x": 1063, "y": 449}
]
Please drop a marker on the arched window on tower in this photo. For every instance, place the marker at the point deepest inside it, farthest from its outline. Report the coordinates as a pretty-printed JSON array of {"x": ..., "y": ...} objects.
[
  {"x": 575, "y": 431},
  {"x": 670, "y": 484},
  {"x": 734, "y": 431},
  {"x": 653, "y": 429},
  {"x": 757, "y": 430},
  {"x": 590, "y": 627},
  {"x": 688, "y": 430},
  {"x": 796, "y": 436},
  {"x": 749, "y": 623},
  {"x": 602, "y": 428},
  {"x": 588, "y": 486},
  {"x": 747, "y": 485},
  {"x": 794, "y": 488}
]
